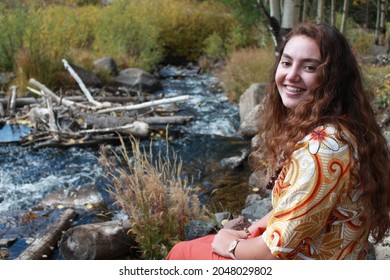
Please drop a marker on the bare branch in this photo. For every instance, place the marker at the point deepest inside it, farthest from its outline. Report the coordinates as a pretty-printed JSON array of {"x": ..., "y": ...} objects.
[{"x": 147, "y": 104}]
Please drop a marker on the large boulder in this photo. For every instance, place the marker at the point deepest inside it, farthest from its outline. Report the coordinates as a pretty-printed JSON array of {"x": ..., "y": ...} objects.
[{"x": 250, "y": 106}]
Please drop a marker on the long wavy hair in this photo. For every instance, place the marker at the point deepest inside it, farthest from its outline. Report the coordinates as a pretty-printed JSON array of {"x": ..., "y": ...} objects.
[{"x": 341, "y": 100}]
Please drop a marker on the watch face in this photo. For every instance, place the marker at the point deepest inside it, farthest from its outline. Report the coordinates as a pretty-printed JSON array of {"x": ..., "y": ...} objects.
[{"x": 233, "y": 245}]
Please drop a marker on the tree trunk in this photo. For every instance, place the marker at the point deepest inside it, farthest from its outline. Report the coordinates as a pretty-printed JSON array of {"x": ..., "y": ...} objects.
[
  {"x": 305, "y": 10},
  {"x": 320, "y": 11},
  {"x": 273, "y": 21},
  {"x": 345, "y": 17},
  {"x": 382, "y": 23},
  {"x": 290, "y": 17},
  {"x": 42, "y": 247},
  {"x": 333, "y": 13},
  {"x": 275, "y": 9},
  {"x": 107, "y": 240}
]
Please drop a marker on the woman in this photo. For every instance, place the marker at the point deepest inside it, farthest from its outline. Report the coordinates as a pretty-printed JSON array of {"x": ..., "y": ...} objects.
[{"x": 331, "y": 187}]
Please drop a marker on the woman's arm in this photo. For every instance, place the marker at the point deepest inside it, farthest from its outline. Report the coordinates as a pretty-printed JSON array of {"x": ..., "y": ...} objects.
[
  {"x": 246, "y": 249},
  {"x": 252, "y": 248},
  {"x": 262, "y": 223}
]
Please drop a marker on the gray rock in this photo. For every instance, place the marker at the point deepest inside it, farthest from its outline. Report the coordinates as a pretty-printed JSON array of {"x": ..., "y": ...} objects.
[
  {"x": 138, "y": 79},
  {"x": 197, "y": 228}
]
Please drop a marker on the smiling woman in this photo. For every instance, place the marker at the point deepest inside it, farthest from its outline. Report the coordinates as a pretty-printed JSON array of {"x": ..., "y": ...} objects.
[{"x": 333, "y": 188}]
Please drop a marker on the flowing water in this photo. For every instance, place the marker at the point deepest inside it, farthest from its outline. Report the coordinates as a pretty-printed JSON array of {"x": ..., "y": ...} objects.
[{"x": 28, "y": 175}]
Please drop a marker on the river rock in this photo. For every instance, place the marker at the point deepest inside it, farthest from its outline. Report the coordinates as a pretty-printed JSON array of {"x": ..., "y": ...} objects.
[
  {"x": 138, "y": 79},
  {"x": 107, "y": 64},
  {"x": 197, "y": 228},
  {"x": 256, "y": 207},
  {"x": 86, "y": 196}
]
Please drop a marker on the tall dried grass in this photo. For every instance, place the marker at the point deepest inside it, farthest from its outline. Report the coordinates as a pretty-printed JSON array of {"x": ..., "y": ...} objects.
[
  {"x": 244, "y": 67},
  {"x": 151, "y": 191}
]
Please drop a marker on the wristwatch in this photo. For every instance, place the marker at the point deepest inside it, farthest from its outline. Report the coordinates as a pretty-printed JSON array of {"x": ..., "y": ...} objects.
[{"x": 232, "y": 248}]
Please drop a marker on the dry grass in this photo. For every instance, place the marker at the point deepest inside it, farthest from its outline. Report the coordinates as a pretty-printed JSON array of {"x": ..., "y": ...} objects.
[
  {"x": 151, "y": 191},
  {"x": 245, "y": 67}
]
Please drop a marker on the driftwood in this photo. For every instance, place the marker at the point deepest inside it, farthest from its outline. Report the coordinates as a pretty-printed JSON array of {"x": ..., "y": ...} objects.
[
  {"x": 146, "y": 104},
  {"x": 107, "y": 240},
  {"x": 55, "y": 97},
  {"x": 2, "y": 111},
  {"x": 19, "y": 102},
  {"x": 83, "y": 87},
  {"x": 22, "y": 101},
  {"x": 12, "y": 103},
  {"x": 66, "y": 120},
  {"x": 42, "y": 247}
]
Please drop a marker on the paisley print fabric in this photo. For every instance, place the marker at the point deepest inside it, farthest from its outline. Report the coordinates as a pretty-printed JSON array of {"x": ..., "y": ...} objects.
[{"x": 317, "y": 212}]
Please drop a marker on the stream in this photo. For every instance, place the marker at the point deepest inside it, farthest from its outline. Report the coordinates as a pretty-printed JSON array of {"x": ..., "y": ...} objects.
[{"x": 28, "y": 175}]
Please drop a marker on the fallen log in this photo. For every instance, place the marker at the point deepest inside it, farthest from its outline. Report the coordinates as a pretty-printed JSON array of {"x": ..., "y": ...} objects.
[
  {"x": 137, "y": 128},
  {"x": 166, "y": 119},
  {"x": 146, "y": 104},
  {"x": 42, "y": 247},
  {"x": 55, "y": 97},
  {"x": 20, "y": 102},
  {"x": 100, "y": 241}
]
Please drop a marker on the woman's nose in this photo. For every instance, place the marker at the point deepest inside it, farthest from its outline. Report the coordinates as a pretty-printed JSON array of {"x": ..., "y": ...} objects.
[{"x": 293, "y": 74}]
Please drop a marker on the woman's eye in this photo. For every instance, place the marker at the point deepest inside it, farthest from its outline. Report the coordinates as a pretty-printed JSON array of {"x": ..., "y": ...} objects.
[
  {"x": 309, "y": 68},
  {"x": 285, "y": 63}
]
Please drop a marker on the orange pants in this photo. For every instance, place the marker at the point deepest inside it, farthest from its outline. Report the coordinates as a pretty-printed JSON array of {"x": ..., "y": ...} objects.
[
  {"x": 196, "y": 249},
  {"x": 200, "y": 248}
]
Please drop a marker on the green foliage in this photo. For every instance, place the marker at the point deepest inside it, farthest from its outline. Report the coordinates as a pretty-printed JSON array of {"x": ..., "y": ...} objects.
[
  {"x": 214, "y": 47},
  {"x": 34, "y": 39},
  {"x": 187, "y": 24},
  {"x": 151, "y": 191},
  {"x": 125, "y": 32},
  {"x": 247, "y": 12},
  {"x": 143, "y": 33},
  {"x": 135, "y": 33}
]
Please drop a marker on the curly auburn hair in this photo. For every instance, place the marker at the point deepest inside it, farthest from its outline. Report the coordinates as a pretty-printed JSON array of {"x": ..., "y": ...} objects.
[{"x": 341, "y": 100}]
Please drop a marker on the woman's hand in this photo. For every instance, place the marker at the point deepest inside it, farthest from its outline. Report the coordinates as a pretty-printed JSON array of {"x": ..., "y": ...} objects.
[{"x": 222, "y": 240}]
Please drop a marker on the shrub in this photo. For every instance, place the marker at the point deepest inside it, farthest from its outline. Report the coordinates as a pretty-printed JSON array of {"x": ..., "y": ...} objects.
[
  {"x": 151, "y": 191},
  {"x": 244, "y": 67},
  {"x": 377, "y": 81}
]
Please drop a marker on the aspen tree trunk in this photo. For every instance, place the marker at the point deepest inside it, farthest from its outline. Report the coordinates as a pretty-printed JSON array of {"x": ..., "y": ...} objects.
[
  {"x": 274, "y": 18},
  {"x": 290, "y": 15},
  {"x": 275, "y": 9},
  {"x": 345, "y": 16},
  {"x": 290, "y": 18},
  {"x": 382, "y": 23},
  {"x": 378, "y": 16},
  {"x": 305, "y": 10},
  {"x": 320, "y": 11},
  {"x": 333, "y": 12},
  {"x": 367, "y": 13}
]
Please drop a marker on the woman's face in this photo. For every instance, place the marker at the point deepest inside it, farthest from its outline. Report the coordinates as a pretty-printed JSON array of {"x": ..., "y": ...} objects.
[{"x": 298, "y": 71}]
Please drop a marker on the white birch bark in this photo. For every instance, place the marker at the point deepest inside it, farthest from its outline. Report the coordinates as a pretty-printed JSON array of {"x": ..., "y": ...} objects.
[{"x": 290, "y": 16}]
